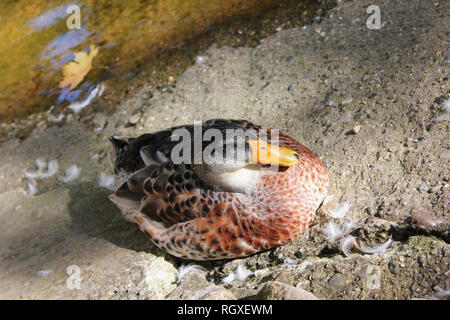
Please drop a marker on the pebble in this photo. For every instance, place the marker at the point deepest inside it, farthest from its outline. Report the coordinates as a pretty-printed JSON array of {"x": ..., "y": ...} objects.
[
  {"x": 216, "y": 293},
  {"x": 337, "y": 280},
  {"x": 447, "y": 252},
  {"x": 331, "y": 103},
  {"x": 445, "y": 155},
  {"x": 356, "y": 129},
  {"x": 436, "y": 189},
  {"x": 275, "y": 290},
  {"x": 119, "y": 123},
  {"x": 134, "y": 118},
  {"x": 423, "y": 187},
  {"x": 347, "y": 101},
  {"x": 373, "y": 281},
  {"x": 442, "y": 117},
  {"x": 362, "y": 274},
  {"x": 346, "y": 117},
  {"x": 394, "y": 267}
]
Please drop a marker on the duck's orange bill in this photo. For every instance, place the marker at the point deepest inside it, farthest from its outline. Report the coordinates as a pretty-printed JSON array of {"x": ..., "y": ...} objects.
[{"x": 262, "y": 152}]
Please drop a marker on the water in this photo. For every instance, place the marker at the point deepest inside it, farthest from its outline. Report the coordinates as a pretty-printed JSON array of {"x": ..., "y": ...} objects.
[{"x": 130, "y": 35}]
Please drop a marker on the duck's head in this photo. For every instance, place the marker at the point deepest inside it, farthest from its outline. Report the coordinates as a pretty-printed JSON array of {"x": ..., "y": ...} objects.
[
  {"x": 236, "y": 164},
  {"x": 232, "y": 164}
]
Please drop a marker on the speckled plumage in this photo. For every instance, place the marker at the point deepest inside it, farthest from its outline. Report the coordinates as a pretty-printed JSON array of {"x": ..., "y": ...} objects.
[{"x": 192, "y": 220}]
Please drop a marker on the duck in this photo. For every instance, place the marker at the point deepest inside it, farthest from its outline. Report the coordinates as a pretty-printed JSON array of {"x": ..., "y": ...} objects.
[{"x": 218, "y": 189}]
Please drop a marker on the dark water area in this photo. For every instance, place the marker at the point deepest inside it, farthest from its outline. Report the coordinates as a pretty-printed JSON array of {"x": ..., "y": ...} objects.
[{"x": 120, "y": 45}]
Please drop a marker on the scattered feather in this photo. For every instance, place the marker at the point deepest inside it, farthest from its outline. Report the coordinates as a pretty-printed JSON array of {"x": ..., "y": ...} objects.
[
  {"x": 228, "y": 279},
  {"x": 346, "y": 245},
  {"x": 78, "y": 106},
  {"x": 41, "y": 164},
  {"x": 240, "y": 274},
  {"x": 341, "y": 232},
  {"x": 102, "y": 88},
  {"x": 52, "y": 168},
  {"x": 333, "y": 231},
  {"x": 349, "y": 225},
  {"x": 43, "y": 273},
  {"x": 304, "y": 265},
  {"x": 72, "y": 174},
  {"x": 32, "y": 188},
  {"x": 289, "y": 261},
  {"x": 327, "y": 199},
  {"x": 185, "y": 269},
  {"x": 446, "y": 105},
  {"x": 376, "y": 249},
  {"x": 59, "y": 118},
  {"x": 340, "y": 211},
  {"x": 106, "y": 181},
  {"x": 199, "y": 59}
]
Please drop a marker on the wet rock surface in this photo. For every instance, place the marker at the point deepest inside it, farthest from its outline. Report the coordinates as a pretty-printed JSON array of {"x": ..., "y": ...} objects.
[{"x": 368, "y": 102}]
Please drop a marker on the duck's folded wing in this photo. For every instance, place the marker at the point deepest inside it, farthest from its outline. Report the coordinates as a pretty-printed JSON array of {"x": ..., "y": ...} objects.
[{"x": 166, "y": 193}]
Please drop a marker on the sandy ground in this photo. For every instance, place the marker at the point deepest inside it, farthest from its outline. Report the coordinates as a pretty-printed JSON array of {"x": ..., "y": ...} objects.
[{"x": 368, "y": 102}]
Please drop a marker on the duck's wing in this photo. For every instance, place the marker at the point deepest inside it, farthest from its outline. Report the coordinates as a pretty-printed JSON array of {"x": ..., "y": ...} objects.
[{"x": 165, "y": 192}]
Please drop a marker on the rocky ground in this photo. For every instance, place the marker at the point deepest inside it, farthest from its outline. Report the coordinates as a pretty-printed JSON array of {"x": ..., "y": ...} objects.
[{"x": 370, "y": 103}]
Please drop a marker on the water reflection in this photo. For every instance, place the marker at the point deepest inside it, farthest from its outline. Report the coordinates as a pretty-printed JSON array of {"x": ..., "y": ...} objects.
[
  {"x": 61, "y": 46},
  {"x": 35, "y": 43},
  {"x": 50, "y": 17}
]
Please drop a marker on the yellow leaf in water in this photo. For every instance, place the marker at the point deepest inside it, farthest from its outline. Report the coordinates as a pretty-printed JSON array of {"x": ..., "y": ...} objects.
[{"x": 75, "y": 71}]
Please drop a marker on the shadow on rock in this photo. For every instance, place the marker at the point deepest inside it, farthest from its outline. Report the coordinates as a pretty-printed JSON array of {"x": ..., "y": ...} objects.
[{"x": 94, "y": 214}]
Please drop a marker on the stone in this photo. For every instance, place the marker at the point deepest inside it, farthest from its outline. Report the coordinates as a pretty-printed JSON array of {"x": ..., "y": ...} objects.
[
  {"x": 134, "y": 118},
  {"x": 159, "y": 276},
  {"x": 337, "y": 280},
  {"x": 212, "y": 292},
  {"x": 275, "y": 290},
  {"x": 394, "y": 268},
  {"x": 189, "y": 285}
]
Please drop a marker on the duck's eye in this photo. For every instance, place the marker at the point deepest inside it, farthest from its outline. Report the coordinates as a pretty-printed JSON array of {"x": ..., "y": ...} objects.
[{"x": 297, "y": 156}]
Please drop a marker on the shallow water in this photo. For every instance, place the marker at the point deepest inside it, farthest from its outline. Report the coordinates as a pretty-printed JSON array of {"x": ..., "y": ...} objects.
[{"x": 36, "y": 43}]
